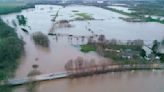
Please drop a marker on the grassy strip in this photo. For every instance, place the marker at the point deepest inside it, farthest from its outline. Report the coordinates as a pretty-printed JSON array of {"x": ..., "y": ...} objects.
[
  {"x": 84, "y": 16},
  {"x": 87, "y": 48},
  {"x": 134, "y": 17},
  {"x": 149, "y": 19}
]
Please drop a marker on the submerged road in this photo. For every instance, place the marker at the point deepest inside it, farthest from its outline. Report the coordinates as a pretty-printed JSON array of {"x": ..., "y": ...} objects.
[
  {"x": 64, "y": 74},
  {"x": 41, "y": 77}
]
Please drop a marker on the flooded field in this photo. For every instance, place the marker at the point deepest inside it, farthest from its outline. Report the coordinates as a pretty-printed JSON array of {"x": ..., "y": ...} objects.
[
  {"x": 62, "y": 49},
  {"x": 106, "y": 22},
  {"x": 124, "y": 9}
]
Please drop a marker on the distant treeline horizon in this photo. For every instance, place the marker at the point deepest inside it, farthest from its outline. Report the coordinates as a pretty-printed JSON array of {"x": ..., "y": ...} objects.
[{"x": 71, "y": 0}]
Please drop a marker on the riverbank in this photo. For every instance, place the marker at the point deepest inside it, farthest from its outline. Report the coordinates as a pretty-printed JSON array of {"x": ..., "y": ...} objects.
[
  {"x": 69, "y": 47},
  {"x": 85, "y": 71},
  {"x": 11, "y": 48},
  {"x": 100, "y": 69},
  {"x": 133, "y": 17}
]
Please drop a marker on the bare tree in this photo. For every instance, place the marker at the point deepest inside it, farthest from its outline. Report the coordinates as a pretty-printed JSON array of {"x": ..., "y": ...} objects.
[
  {"x": 90, "y": 40},
  {"x": 69, "y": 67},
  {"x": 92, "y": 65},
  {"x": 104, "y": 64},
  {"x": 101, "y": 39},
  {"x": 100, "y": 50},
  {"x": 79, "y": 63}
]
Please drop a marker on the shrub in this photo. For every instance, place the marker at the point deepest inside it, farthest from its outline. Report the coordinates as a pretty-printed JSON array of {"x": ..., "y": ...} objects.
[
  {"x": 41, "y": 39},
  {"x": 22, "y": 20}
]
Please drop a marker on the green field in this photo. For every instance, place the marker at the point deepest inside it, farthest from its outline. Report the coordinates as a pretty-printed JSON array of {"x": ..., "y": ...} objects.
[
  {"x": 84, "y": 16},
  {"x": 87, "y": 48}
]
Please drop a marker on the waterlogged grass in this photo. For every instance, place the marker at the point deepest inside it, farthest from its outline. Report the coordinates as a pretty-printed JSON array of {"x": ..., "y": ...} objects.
[
  {"x": 87, "y": 48},
  {"x": 135, "y": 16},
  {"x": 83, "y": 16}
]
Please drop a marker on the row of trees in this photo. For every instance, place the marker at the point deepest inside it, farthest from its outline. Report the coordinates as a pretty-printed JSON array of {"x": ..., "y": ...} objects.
[
  {"x": 80, "y": 66},
  {"x": 102, "y": 40},
  {"x": 11, "y": 48}
]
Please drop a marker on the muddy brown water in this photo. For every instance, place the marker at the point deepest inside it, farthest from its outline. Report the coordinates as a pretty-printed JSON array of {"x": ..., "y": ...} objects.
[
  {"x": 61, "y": 50},
  {"x": 131, "y": 81}
]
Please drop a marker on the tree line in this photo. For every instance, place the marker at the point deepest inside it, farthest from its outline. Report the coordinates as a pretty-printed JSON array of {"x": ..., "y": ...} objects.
[{"x": 11, "y": 48}]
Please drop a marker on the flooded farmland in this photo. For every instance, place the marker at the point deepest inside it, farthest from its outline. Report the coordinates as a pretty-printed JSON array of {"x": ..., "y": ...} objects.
[
  {"x": 62, "y": 49},
  {"x": 106, "y": 22}
]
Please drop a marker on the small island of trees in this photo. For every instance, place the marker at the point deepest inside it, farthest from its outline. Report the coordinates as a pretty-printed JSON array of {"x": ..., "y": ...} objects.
[{"x": 40, "y": 39}]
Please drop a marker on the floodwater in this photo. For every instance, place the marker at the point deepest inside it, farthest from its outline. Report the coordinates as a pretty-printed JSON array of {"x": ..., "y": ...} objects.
[
  {"x": 137, "y": 81},
  {"x": 107, "y": 23},
  {"x": 62, "y": 49}
]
